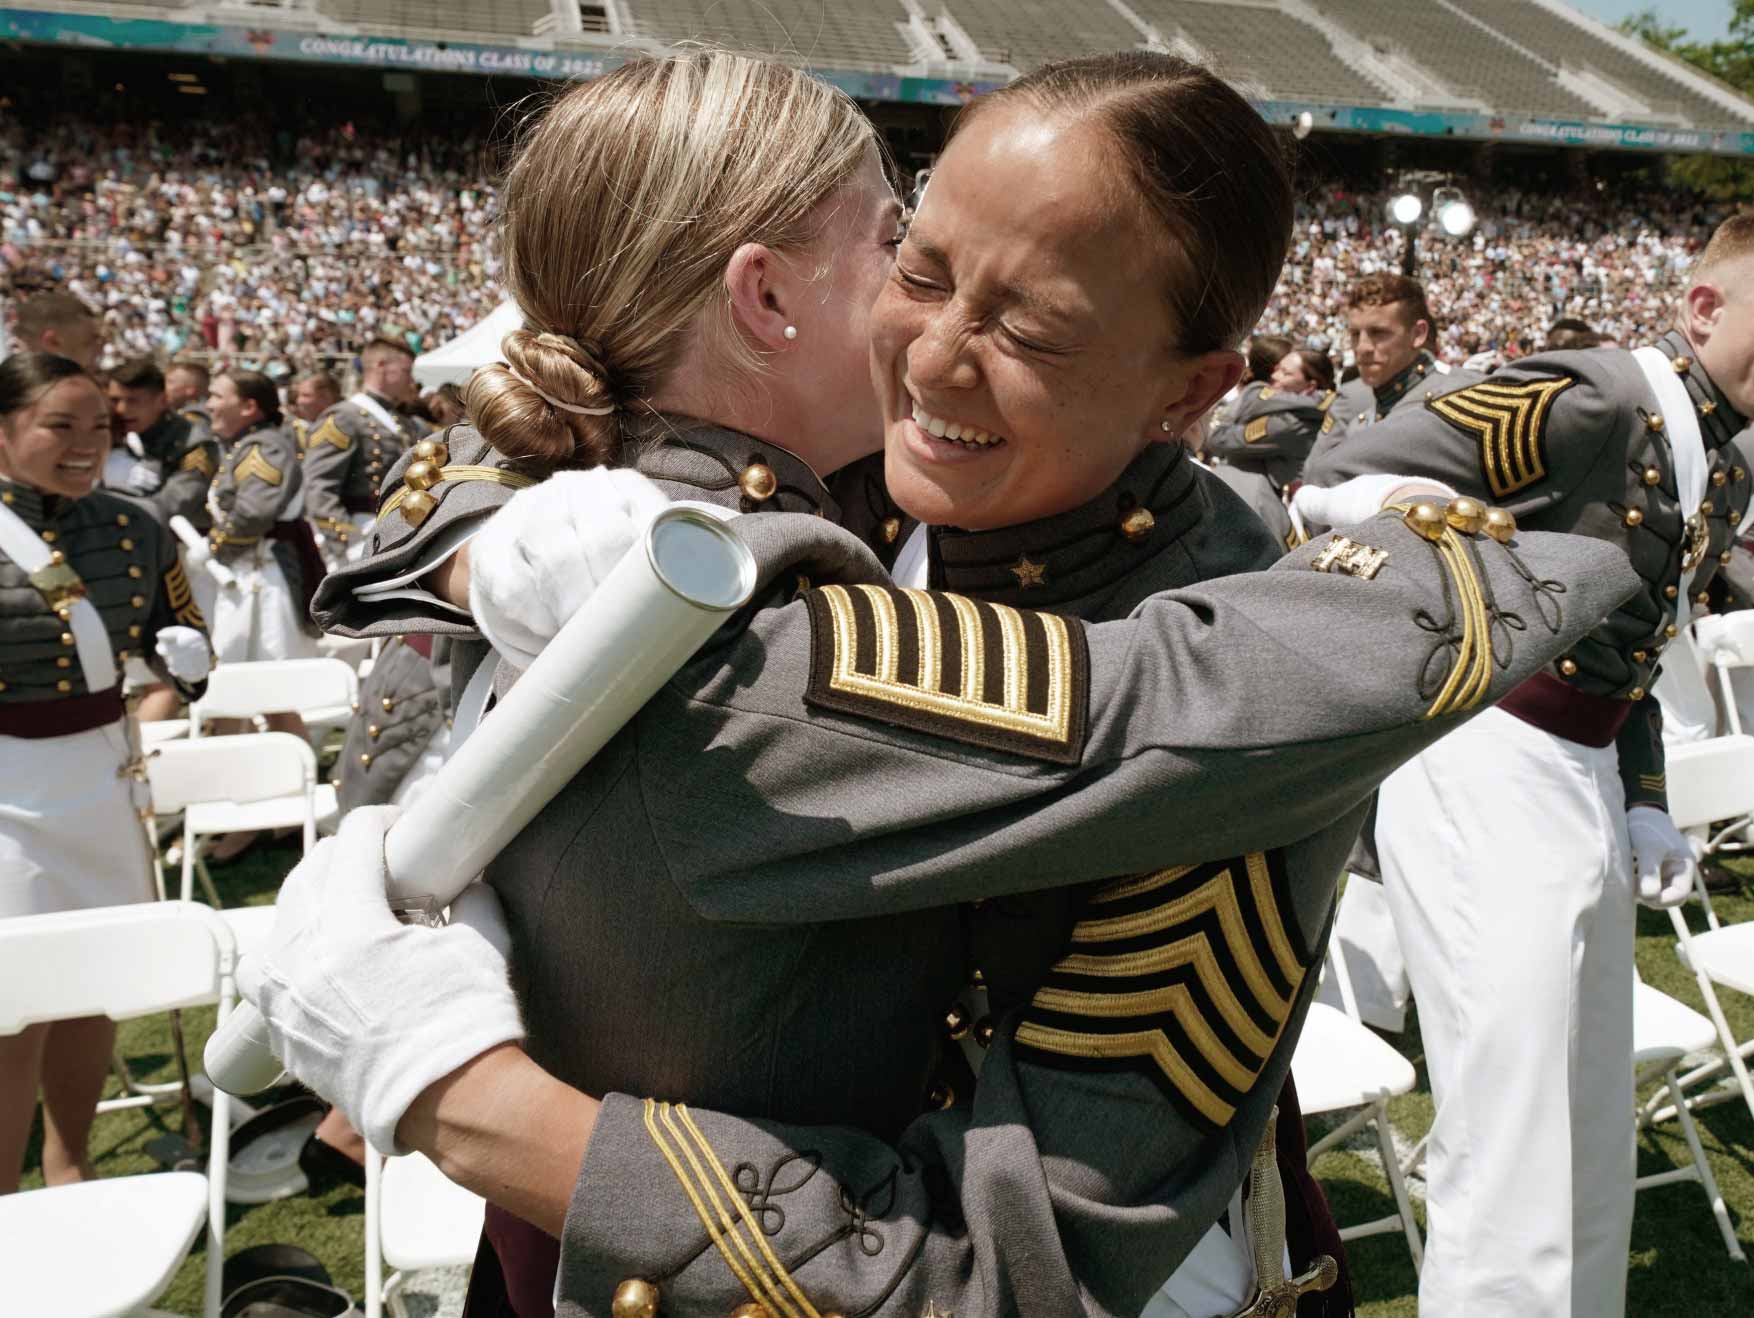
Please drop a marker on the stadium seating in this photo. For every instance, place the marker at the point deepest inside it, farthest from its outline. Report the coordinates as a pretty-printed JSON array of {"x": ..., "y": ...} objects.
[
  {"x": 1025, "y": 33},
  {"x": 501, "y": 18},
  {"x": 1466, "y": 58},
  {"x": 821, "y": 35},
  {"x": 1540, "y": 29},
  {"x": 1263, "y": 45}
]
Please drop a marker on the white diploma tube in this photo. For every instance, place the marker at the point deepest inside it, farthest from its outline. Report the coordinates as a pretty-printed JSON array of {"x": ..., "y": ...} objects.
[
  {"x": 195, "y": 544},
  {"x": 660, "y": 604}
]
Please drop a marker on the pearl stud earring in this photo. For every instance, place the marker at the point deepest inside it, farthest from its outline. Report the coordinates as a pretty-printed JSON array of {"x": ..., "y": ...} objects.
[
  {"x": 791, "y": 331},
  {"x": 1166, "y": 425}
]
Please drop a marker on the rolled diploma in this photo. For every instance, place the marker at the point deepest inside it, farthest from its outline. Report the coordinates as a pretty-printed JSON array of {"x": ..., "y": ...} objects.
[
  {"x": 660, "y": 604},
  {"x": 193, "y": 542}
]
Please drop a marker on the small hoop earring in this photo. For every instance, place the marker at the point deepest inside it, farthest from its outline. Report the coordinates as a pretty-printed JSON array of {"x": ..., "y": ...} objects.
[
  {"x": 791, "y": 331},
  {"x": 1166, "y": 425}
]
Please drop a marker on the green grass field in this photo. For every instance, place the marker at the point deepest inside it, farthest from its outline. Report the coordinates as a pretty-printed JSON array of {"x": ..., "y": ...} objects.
[{"x": 1678, "y": 1267}]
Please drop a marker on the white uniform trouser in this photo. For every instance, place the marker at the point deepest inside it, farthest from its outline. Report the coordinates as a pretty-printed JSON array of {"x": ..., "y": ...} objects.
[
  {"x": 1690, "y": 712},
  {"x": 258, "y": 618},
  {"x": 1508, "y": 870}
]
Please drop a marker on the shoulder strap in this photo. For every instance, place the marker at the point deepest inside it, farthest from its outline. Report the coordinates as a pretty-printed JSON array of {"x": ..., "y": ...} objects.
[
  {"x": 1681, "y": 426},
  {"x": 92, "y": 642},
  {"x": 366, "y": 403}
]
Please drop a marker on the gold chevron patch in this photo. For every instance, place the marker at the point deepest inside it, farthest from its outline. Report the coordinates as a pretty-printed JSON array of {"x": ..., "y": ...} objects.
[
  {"x": 723, "y": 1213},
  {"x": 182, "y": 599},
  {"x": 1188, "y": 974},
  {"x": 330, "y": 433},
  {"x": 1510, "y": 422},
  {"x": 254, "y": 464},
  {"x": 1255, "y": 431},
  {"x": 985, "y": 674},
  {"x": 198, "y": 459}
]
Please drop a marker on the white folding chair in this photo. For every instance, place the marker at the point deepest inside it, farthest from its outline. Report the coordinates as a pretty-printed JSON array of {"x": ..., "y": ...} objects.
[
  {"x": 321, "y": 691},
  {"x": 1727, "y": 640},
  {"x": 1709, "y": 781},
  {"x": 121, "y": 962},
  {"x": 233, "y": 785},
  {"x": 1664, "y": 1032},
  {"x": 350, "y": 650},
  {"x": 1341, "y": 1064},
  {"x": 414, "y": 1218}
]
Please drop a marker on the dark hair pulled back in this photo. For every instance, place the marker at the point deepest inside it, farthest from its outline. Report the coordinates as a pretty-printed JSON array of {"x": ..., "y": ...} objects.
[{"x": 25, "y": 375}]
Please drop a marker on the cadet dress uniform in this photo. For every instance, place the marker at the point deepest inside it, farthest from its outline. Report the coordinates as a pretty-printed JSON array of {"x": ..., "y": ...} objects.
[
  {"x": 257, "y": 504},
  {"x": 814, "y": 824},
  {"x": 1260, "y": 449},
  {"x": 85, "y": 584},
  {"x": 400, "y": 730},
  {"x": 349, "y": 452},
  {"x": 1505, "y": 849},
  {"x": 176, "y": 461}
]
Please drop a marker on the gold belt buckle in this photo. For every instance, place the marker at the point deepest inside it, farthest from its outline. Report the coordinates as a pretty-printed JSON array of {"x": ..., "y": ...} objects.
[
  {"x": 58, "y": 583},
  {"x": 1698, "y": 539}
]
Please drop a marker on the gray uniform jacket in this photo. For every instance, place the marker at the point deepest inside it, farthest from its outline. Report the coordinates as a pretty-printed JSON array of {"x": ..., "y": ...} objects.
[
  {"x": 1270, "y": 431},
  {"x": 129, "y": 566},
  {"x": 188, "y": 453},
  {"x": 346, "y": 457},
  {"x": 1257, "y": 490},
  {"x": 1572, "y": 441},
  {"x": 403, "y": 703},
  {"x": 789, "y": 820},
  {"x": 258, "y": 487}
]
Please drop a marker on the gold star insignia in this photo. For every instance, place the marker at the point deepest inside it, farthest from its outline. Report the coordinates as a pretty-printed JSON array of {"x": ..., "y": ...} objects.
[
  {"x": 1028, "y": 574},
  {"x": 933, "y": 1311}
]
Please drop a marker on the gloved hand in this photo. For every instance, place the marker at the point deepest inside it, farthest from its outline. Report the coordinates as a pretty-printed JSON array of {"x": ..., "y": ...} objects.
[
  {"x": 544, "y": 554},
  {"x": 144, "y": 478},
  {"x": 364, "y": 1010},
  {"x": 1357, "y": 500},
  {"x": 186, "y": 654},
  {"x": 1662, "y": 858}
]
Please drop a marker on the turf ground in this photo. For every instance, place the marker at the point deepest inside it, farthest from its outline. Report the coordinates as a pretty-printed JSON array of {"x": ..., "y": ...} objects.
[{"x": 1678, "y": 1267}]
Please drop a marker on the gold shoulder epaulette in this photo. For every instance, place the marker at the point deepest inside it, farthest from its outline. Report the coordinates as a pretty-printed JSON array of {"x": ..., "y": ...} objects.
[
  {"x": 966, "y": 670},
  {"x": 431, "y": 468}
]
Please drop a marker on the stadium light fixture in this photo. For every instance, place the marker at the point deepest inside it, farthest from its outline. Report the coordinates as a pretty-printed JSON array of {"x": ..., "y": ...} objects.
[
  {"x": 1454, "y": 215},
  {"x": 1406, "y": 208}
]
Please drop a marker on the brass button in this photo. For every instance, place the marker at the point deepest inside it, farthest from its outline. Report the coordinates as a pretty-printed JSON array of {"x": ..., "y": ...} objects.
[
  {"x": 1639, "y": 656},
  {"x": 134, "y": 572},
  {"x": 1637, "y": 693},
  {"x": 1724, "y": 559},
  {"x": 62, "y": 661},
  {"x": 420, "y": 476},
  {"x": 983, "y": 1032},
  {"x": 356, "y": 707},
  {"x": 127, "y": 543},
  {"x": 431, "y": 450},
  {"x": 7, "y": 498},
  {"x": 49, "y": 537},
  {"x": 1671, "y": 631},
  {"x": 417, "y": 507},
  {"x": 1682, "y": 365},
  {"x": 124, "y": 655},
  {"x": 1500, "y": 525},
  {"x": 134, "y": 631},
  {"x": 751, "y": 1310},
  {"x": 67, "y": 637},
  {"x": 1706, "y": 409},
  {"x": 137, "y": 601},
  {"x": 977, "y": 977},
  {"x": 891, "y": 528},
  {"x": 1655, "y": 422},
  {"x": 1703, "y": 597},
  {"x": 63, "y": 686},
  {"x": 635, "y": 1298},
  {"x": 1652, "y": 475},
  {"x": 121, "y": 519},
  {"x": 941, "y": 1097},
  {"x": 1466, "y": 515},
  {"x": 1737, "y": 474},
  {"x": 1426, "y": 519},
  {"x": 1669, "y": 592},
  {"x": 1706, "y": 509},
  {"x": 956, "y": 1021},
  {"x": 1136, "y": 525},
  {"x": 365, "y": 761},
  {"x": 386, "y": 702},
  {"x": 1719, "y": 476},
  {"x": 758, "y": 482},
  {"x": 1568, "y": 667},
  {"x": 57, "y": 558},
  {"x": 372, "y": 730},
  {"x": 2, "y": 686},
  {"x": 1633, "y": 517}
]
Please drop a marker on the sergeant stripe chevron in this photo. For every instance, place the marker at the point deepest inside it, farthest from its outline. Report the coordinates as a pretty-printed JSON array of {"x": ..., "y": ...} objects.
[
  {"x": 1511, "y": 423},
  {"x": 1187, "y": 975}
]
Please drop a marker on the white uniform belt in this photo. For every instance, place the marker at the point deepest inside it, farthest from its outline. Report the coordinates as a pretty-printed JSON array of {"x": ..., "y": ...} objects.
[
  {"x": 366, "y": 403},
  {"x": 91, "y": 641}
]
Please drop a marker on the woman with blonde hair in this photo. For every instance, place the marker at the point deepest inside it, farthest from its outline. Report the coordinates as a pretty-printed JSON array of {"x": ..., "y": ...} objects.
[{"x": 749, "y": 900}]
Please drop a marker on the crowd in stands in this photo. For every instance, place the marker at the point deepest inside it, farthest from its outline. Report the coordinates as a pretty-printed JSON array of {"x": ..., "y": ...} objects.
[
  {"x": 289, "y": 251},
  {"x": 271, "y": 249}
]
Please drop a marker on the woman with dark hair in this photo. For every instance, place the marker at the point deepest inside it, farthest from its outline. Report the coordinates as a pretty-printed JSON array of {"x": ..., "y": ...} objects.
[
  {"x": 751, "y": 899},
  {"x": 1304, "y": 371},
  {"x": 88, "y": 579}
]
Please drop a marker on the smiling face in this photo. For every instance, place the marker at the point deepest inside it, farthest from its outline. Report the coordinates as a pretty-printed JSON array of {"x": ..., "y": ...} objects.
[
  {"x": 1289, "y": 377},
  {"x": 232, "y": 413},
  {"x": 58, "y": 441},
  {"x": 1023, "y": 349}
]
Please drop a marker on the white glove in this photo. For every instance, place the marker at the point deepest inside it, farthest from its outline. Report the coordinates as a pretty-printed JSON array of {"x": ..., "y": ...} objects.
[
  {"x": 366, "y": 1011},
  {"x": 544, "y": 554},
  {"x": 1356, "y": 500},
  {"x": 144, "y": 478},
  {"x": 186, "y": 654},
  {"x": 1662, "y": 858}
]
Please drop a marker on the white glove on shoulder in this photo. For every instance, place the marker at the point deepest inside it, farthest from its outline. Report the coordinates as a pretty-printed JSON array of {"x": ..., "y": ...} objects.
[
  {"x": 544, "y": 554},
  {"x": 1662, "y": 858},
  {"x": 185, "y": 652},
  {"x": 144, "y": 478},
  {"x": 365, "y": 1010},
  {"x": 1356, "y": 500}
]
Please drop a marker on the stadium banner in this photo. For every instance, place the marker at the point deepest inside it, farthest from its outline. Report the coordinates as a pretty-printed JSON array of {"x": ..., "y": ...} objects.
[{"x": 97, "y": 32}]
